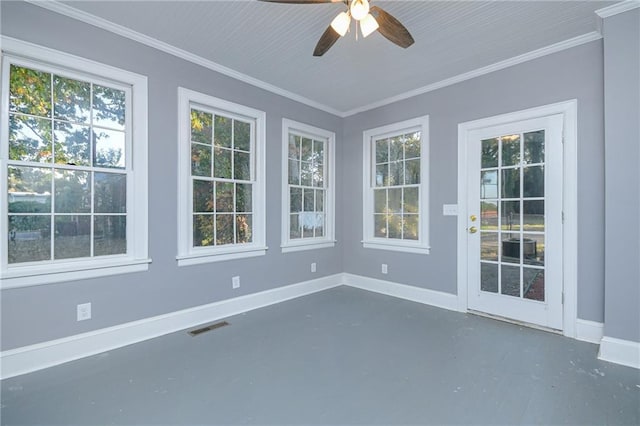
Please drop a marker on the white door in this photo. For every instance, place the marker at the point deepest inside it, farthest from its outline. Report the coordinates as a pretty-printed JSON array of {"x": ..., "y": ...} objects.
[{"x": 514, "y": 223}]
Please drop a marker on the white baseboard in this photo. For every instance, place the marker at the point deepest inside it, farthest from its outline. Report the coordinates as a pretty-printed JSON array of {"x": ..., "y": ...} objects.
[
  {"x": 589, "y": 331},
  {"x": 403, "y": 291},
  {"x": 624, "y": 352},
  {"x": 30, "y": 358}
]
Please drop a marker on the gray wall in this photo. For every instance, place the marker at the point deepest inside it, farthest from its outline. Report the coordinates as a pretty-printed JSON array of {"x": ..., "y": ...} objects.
[
  {"x": 40, "y": 313},
  {"x": 622, "y": 177},
  {"x": 574, "y": 73}
]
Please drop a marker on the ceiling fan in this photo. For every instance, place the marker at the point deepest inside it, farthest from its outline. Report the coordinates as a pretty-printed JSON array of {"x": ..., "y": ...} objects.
[{"x": 370, "y": 19}]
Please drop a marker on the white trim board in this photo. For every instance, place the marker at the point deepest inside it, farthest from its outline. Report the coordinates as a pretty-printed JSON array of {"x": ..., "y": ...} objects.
[
  {"x": 402, "y": 291},
  {"x": 589, "y": 331},
  {"x": 617, "y": 8},
  {"x": 31, "y": 358},
  {"x": 618, "y": 351},
  {"x": 104, "y": 24}
]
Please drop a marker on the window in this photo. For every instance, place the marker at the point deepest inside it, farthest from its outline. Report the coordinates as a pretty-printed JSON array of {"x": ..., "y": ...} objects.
[
  {"x": 395, "y": 186},
  {"x": 308, "y": 195},
  {"x": 221, "y": 210},
  {"x": 74, "y": 176}
]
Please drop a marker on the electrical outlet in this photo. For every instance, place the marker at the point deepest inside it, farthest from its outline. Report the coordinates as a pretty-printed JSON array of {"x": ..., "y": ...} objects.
[
  {"x": 313, "y": 267},
  {"x": 384, "y": 268},
  {"x": 83, "y": 311},
  {"x": 235, "y": 282}
]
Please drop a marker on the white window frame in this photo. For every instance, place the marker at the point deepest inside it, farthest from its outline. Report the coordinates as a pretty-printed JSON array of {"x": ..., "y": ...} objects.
[
  {"x": 311, "y": 132},
  {"x": 187, "y": 253},
  {"x": 136, "y": 259},
  {"x": 369, "y": 137}
]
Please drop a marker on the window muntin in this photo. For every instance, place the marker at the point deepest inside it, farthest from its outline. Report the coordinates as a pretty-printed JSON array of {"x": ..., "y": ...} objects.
[
  {"x": 221, "y": 189},
  {"x": 395, "y": 215},
  {"x": 307, "y": 209},
  {"x": 67, "y": 166}
]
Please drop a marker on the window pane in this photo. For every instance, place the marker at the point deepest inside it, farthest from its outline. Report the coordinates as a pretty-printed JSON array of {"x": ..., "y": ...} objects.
[
  {"x": 382, "y": 174},
  {"x": 533, "y": 212},
  {"x": 510, "y": 150},
  {"x": 203, "y": 230},
  {"x": 224, "y": 197},
  {"x": 30, "y": 91},
  {"x": 533, "y": 181},
  {"x": 395, "y": 200},
  {"x": 306, "y": 178},
  {"x": 511, "y": 183},
  {"x": 534, "y": 147},
  {"x": 411, "y": 198},
  {"x": 72, "y": 192},
  {"x": 489, "y": 215},
  {"x": 396, "y": 149},
  {"x": 72, "y": 237},
  {"x": 380, "y": 201},
  {"x": 200, "y": 160},
  {"x": 380, "y": 225},
  {"x": 72, "y": 99},
  {"x": 71, "y": 143},
  {"x": 489, "y": 246},
  {"x": 243, "y": 228},
  {"x": 410, "y": 227},
  {"x": 202, "y": 196},
  {"x": 241, "y": 135},
  {"x": 490, "y": 153},
  {"x": 294, "y": 147},
  {"x": 489, "y": 184},
  {"x": 295, "y": 199},
  {"x": 396, "y": 173},
  {"x": 320, "y": 200},
  {"x": 29, "y": 190},
  {"x": 533, "y": 249},
  {"x": 308, "y": 196},
  {"x": 308, "y": 222},
  {"x": 294, "y": 227},
  {"x": 242, "y": 165},
  {"x": 412, "y": 173},
  {"x": 318, "y": 152},
  {"x": 29, "y": 238},
  {"x": 412, "y": 145},
  {"x": 201, "y": 126},
  {"x": 510, "y": 216},
  {"x": 510, "y": 280},
  {"x": 294, "y": 172},
  {"x": 109, "y": 148},
  {"x": 222, "y": 132},
  {"x": 243, "y": 197},
  {"x": 319, "y": 229},
  {"x": 108, "y": 107},
  {"x": 307, "y": 149},
  {"x": 395, "y": 226},
  {"x": 489, "y": 277},
  {"x": 110, "y": 235},
  {"x": 224, "y": 229},
  {"x": 29, "y": 139},
  {"x": 318, "y": 175},
  {"x": 382, "y": 151},
  {"x": 222, "y": 163},
  {"x": 533, "y": 284}
]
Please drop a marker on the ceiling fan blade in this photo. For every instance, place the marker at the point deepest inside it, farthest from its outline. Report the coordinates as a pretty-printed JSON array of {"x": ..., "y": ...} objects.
[
  {"x": 391, "y": 28},
  {"x": 302, "y": 1},
  {"x": 328, "y": 38}
]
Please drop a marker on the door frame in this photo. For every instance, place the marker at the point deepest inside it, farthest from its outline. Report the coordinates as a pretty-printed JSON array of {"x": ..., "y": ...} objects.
[{"x": 568, "y": 110}]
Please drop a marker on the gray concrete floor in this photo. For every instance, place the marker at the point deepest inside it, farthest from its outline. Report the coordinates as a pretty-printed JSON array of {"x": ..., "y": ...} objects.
[{"x": 343, "y": 356}]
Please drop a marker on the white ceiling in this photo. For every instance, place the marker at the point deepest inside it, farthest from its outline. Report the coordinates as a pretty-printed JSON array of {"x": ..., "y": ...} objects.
[{"x": 273, "y": 43}]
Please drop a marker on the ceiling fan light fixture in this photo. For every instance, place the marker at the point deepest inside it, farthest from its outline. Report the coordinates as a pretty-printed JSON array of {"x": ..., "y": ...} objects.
[
  {"x": 341, "y": 23},
  {"x": 359, "y": 9},
  {"x": 368, "y": 25}
]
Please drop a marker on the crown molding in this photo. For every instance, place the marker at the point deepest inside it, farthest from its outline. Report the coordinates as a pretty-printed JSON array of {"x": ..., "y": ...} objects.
[
  {"x": 617, "y": 8},
  {"x": 87, "y": 18},
  {"x": 557, "y": 47}
]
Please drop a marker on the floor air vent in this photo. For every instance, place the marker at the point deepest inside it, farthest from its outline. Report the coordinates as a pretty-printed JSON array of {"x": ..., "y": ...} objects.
[{"x": 201, "y": 330}]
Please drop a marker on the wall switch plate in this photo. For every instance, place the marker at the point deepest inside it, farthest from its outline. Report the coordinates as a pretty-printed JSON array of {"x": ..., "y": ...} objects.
[
  {"x": 313, "y": 267},
  {"x": 384, "y": 268},
  {"x": 235, "y": 282},
  {"x": 83, "y": 311},
  {"x": 450, "y": 210}
]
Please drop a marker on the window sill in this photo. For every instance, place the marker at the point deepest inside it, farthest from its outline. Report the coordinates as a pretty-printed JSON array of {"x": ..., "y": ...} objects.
[
  {"x": 406, "y": 248},
  {"x": 311, "y": 245},
  {"x": 219, "y": 256},
  {"x": 25, "y": 276}
]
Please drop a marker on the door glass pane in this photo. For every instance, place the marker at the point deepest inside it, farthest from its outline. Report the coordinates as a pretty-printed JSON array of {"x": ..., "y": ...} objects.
[
  {"x": 534, "y": 147},
  {"x": 490, "y": 153},
  {"x": 510, "y": 150},
  {"x": 510, "y": 216},
  {"x": 510, "y": 280},
  {"x": 489, "y": 277},
  {"x": 489, "y": 246},
  {"x": 489, "y": 215},
  {"x": 533, "y": 284},
  {"x": 533, "y": 215},
  {"x": 533, "y": 181},
  {"x": 489, "y": 184},
  {"x": 511, "y": 183},
  {"x": 533, "y": 249},
  {"x": 510, "y": 248}
]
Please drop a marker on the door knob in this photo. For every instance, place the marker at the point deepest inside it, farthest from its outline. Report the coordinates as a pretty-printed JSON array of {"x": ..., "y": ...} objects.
[{"x": 473, "y": 230}]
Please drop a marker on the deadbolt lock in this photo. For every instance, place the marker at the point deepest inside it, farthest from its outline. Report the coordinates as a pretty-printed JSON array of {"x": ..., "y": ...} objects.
[
  {"x": 473, "y": 218},
  {"x": 473, "y": 230}
]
